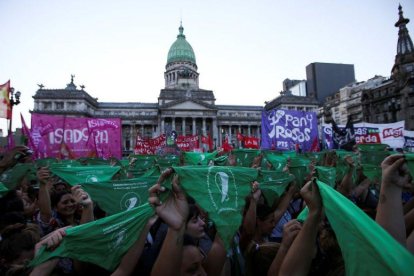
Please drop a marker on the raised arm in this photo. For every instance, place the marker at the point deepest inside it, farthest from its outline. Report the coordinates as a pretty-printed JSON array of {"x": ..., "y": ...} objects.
[
  {"x": 174, "y": 211},
  {"x": 345, "y": 187},
  {"x": 45, "y": 208},
  {"x": 390, "y": 216},
  {"x": 299, "y": 257},
  {"x": 81, "y": 197}
]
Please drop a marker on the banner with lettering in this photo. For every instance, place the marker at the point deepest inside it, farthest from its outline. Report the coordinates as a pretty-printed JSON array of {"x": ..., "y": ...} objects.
[
  {"x": 409, "y": 140},
  {"x": 289, "y": 129},
  {"x": 366, "y": 133},
  {"x": 79, "y": 136},
  {"x": 251, "y": 142},
  {"x": 155, "y": 145}
]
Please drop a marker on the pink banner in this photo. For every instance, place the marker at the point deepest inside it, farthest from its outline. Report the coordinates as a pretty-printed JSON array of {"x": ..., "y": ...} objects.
[{"x": 81, "y": 137}]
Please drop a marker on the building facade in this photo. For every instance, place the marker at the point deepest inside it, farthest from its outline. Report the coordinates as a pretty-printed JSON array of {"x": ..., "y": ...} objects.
[
  {"x": 393, "y": 100},
  {"x": 182, "y": 106},
  {"x": 324, "y": 79},
  {"x": 347, "y": 101}
]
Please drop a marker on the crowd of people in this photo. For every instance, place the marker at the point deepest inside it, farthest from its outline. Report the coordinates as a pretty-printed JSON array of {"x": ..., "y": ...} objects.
[{"x": 273, "y": 238}]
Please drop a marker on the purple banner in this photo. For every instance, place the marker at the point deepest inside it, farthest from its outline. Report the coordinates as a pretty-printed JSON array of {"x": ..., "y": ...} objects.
[
  {"x": 68, "y": 137},
  {"x": 289, "y": 130}
]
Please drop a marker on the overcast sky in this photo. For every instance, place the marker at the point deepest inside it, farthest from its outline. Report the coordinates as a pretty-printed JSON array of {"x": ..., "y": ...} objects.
[{"x": 244, "y": 49}]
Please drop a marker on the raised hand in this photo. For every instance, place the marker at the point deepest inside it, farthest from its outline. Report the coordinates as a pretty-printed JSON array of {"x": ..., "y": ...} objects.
[
  {"x": 52, "y": 240},
  {"x": 174, "y": 211},
  {"x": 43, "y": 174},
  {"x": 81, "y": 197},
  {"x": 290, "y": 231},
  {"x": 395, "y": 172},
  {"x": 310, "y": 193}
]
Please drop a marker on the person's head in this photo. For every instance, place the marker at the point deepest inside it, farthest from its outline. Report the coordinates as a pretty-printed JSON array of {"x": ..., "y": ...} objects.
[
  {"x": 18, "y": 243},
  {"x": 63, "y": 203},
  {"x": 260, "y": 257},
  {"x": 60, "y": 186},
  {"x": 265, "y": 219},
  {"x": 195, "y": 225},
  {"x": 192, "y": 259}
]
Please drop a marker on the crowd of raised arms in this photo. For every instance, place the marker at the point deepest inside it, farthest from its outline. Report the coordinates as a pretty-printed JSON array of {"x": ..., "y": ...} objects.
[{"x": 327, "y": 213}]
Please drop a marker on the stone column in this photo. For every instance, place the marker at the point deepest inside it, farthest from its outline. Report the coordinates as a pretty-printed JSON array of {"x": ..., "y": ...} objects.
[
  {"x": 249, "y": 133},
  {"x": 194, "y": 126},
  {"x": 183, "y": 125},
  {"x": 214, "y": 126},
  {"x": 204, "y": 126},
  {"x": 220, "y": 139},
  {"x": 230, "y": 134},
  {"x": 131, "y": 135},
  {"x": 162, "y": 126},
  {"x": 173, "y": 123},
  {"x": 142, "y": 130}
]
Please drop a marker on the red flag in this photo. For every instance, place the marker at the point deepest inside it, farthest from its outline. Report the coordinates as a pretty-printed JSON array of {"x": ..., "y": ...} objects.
[
  {"x": 315, "y": 145},
  {"x": 5, "y": 106},
  {"x": 226, "y": 146},
  {"x": 207, "y": 141},
  {"x": 240, "y": 136}
]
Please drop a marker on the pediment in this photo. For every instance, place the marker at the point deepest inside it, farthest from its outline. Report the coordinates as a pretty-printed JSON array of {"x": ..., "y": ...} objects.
[{"x": 188, "y": 105}]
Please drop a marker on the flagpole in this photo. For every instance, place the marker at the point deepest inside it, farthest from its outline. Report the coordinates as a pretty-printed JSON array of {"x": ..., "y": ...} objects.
[{"x": 14, "y": 100}]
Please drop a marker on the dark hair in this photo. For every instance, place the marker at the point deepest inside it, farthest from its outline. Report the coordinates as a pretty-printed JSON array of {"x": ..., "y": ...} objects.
[
  {"x": 262, "y": 211},
  {"x": 11, "y": 202},
  {"x": 17, "y": 238},
  {"x": 193, "y": 211},
  {"x": 56, "y": 196}
]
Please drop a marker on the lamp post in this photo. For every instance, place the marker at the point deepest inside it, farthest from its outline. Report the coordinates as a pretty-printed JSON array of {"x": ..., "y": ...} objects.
[{"x": 14, "y": 98}]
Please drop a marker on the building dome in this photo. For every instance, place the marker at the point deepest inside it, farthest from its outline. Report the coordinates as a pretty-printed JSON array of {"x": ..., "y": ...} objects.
[{"x": 181, "y": 50}]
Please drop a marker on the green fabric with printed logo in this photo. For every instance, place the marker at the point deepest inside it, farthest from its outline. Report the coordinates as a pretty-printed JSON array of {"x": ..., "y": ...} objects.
[
  {"x": 221, "y": 160},
  {"x": 273, "y": 184},
  {"x": 84, "y": 174},
  {"x": 102, "y": 242},
  {"x": 409, "y": 158},
  {"x": 245, "y": 157},
  {"x": 326, "y": 175},
  {"x": 366, "y": 247},
  {"x": 3, "y": 189},
  {"x": 299, "y": 167},
  {"x": 199, "y": 158},
  {"x": 220, "y": 191},
  {"x": 14, "y": 175},
  {"x": 120, "y": 195},
  {"x": 278, "y": 161},
  {"x": 372, "y": 172}
]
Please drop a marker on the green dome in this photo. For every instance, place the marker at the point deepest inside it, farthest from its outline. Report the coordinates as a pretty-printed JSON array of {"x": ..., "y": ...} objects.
[{"x": 181, "y": 50}]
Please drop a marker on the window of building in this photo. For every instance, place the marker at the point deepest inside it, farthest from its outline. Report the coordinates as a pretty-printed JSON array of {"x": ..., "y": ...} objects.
[
  {"x": 47, "y": 105},
  {"x": 59, "y": 105}
]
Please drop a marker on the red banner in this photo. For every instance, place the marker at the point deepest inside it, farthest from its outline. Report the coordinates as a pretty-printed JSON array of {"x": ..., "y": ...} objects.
[
  {"x": 207, "y": 141},
  {"x": 240, "y": 137},
  {"x": 154, "y": 145},
  {"x": 251, "y": 142}
]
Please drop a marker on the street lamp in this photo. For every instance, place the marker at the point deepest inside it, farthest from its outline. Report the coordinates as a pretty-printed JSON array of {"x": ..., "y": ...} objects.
[{"x": 14, "y": 100}]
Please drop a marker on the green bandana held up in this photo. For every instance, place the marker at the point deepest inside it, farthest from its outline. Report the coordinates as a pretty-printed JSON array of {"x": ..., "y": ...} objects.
[
  {"x": 278, "y": 161},
  {"x": 85, "y": 174},
  {"x": 409, "y": 158},
  {"x": 273, "y": 184},
  {"x": 13, "y": 176},
  {"x": 372, "y": 172},
  {"x": 198, "y": 158},
  {"x": 220, "y": 191},
  {"x": 120, "y": 195},
  {"x": 167, "y": 161},
  {"x": 299, "y": 168},
  {"x": 372, "y": 154},
  {"x": 102, "y": 242},
  {"x": 366, "y": 247},
  {"x": 326, "y": 175},
  {"x": 245, "y": 157}
]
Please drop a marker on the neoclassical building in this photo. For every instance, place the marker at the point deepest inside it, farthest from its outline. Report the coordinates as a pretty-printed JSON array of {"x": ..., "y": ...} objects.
[{"x": 182, "y": 105}]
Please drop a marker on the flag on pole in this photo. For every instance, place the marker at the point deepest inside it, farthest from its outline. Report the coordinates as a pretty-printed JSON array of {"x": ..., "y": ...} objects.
[
  {"x": 28, "y": 134},
  {"x": 5, "y": 106}
]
